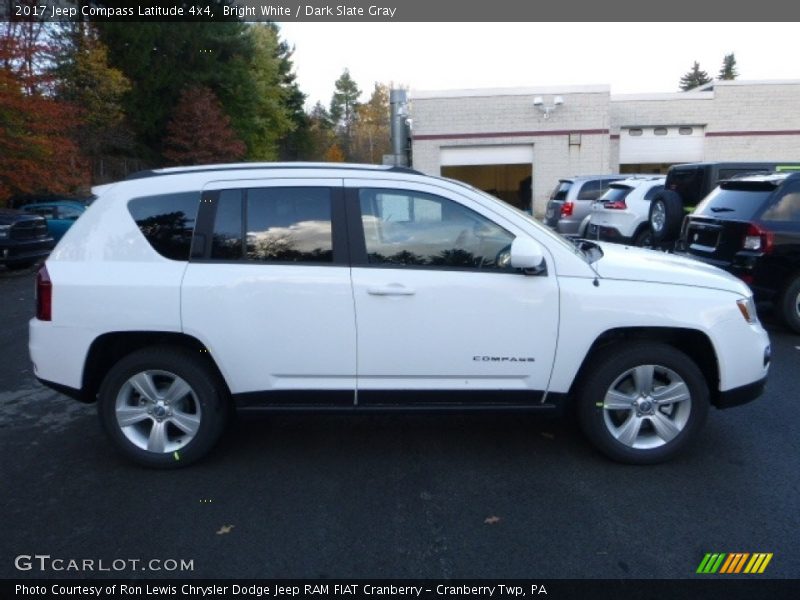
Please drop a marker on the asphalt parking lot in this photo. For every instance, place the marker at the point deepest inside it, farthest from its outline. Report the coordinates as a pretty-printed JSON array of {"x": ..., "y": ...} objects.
[{"x": 394, "y": 496}]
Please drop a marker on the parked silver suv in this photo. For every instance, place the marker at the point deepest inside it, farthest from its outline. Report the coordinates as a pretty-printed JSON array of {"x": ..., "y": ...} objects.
[{"x": 571, "y": 201}]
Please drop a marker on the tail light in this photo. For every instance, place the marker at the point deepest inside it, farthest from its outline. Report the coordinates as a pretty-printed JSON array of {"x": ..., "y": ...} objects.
[
  {"x": 615, "y": 205},
  {"x": 757, "y": 238},
  {"x": 44, "y": 295},
  {"x": 567, "y": 208}
]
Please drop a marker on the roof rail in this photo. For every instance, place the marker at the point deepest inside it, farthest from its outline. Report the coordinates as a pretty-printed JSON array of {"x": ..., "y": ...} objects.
[{"x": 266, "y": 166}]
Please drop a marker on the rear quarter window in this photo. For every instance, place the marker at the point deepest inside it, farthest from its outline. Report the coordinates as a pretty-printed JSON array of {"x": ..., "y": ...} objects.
[
  {"x": 561, "y": 190},
  {"x": 167, "y": 222},
  {"x": 785, "y": 208}
]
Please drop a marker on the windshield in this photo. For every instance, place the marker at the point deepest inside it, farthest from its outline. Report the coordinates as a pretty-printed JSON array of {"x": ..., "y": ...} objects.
[{"x": 733, "y": 204}]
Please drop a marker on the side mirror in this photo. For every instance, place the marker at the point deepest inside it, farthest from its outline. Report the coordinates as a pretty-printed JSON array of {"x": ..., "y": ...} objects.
[{"x": 528, "y": 255}]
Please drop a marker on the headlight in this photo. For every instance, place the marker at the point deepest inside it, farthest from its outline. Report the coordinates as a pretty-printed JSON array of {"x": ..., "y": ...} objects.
[
  {"x": 4, "y": 231},
  {"x": 748, "y": 309}
]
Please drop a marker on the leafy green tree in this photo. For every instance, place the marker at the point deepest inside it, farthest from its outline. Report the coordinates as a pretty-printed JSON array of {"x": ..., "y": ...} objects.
[
  {"x": 371, "y": 132},
  {"x": 162, "y": 59},
  {"x": 296, "y": 144},
  {"x": 728, "y": 71},
  {"x": 320, "y": 133},
  {"x": 96, "y": 89},
  {"x": 694, "y": 78},
  {"x": 343, "y": 111},
  {"x": 272, "y": 120}
]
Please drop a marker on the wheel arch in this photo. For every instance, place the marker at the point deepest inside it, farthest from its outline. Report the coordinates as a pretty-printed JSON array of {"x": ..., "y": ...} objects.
[
  {"x": 692, "y": 342},
  {"x": 109, "y": 348}
]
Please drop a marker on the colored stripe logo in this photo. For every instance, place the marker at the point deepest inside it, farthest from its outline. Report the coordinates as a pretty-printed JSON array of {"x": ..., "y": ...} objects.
[{"x": 734, "y": 562}]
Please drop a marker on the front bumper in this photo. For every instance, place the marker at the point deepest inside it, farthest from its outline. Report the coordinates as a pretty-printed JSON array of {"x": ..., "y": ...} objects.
[
  {"x": 13, "y": 251},
  {"x": 740, "y": 395}
]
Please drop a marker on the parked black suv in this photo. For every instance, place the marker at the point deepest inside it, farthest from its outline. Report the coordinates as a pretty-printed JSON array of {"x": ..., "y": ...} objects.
[
  {"x": 23, "y": 239},
  {"x": 688, "y": 184},
  {"x": 751, "y": 227}
]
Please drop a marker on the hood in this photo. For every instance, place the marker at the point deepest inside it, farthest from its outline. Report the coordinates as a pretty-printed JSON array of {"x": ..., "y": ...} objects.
[{"x": 637, "y": 264}]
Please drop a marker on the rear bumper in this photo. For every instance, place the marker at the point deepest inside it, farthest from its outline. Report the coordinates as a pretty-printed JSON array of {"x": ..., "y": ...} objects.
[
  {"x": 606, "y": 234},
  {"x": 740, "y": 395}
]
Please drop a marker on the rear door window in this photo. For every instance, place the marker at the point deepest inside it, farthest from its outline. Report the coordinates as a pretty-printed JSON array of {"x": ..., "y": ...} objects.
[
  {"x": 590, "y": 190},
  {"x": 289, "y": 225},
  {"x": 274, "y": 225}
]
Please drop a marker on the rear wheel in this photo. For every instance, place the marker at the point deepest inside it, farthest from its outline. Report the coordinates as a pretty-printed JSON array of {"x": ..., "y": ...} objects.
[
  {"x": 162, "y": 407},
  {"x": 643, "y": 403},
  {"x": 789, "y": 305},
  {"x": 666, "y": 216}
]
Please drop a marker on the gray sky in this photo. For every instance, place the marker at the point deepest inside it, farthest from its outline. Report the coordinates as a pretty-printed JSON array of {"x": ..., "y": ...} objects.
[{"x": 631, "y": 57}]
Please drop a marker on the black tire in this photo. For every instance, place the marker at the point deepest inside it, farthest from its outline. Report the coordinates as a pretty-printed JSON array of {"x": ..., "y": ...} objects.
[
  {"x": 666, "y": 216},
  {"x": 614, "y": 371},
  {"x": 204, "y": 407},
  {"x": 644, "y": 239},
  {"x": 788, "y": 305}
]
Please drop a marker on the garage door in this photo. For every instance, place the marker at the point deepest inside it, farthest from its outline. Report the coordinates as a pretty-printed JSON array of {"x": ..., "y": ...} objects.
[
  {"x": 512, "y": 154},
  {"x": 671, "y": 144}
]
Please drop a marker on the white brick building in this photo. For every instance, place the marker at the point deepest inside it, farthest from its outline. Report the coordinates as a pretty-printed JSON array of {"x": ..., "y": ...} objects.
[{"x": 496, "y": 138}]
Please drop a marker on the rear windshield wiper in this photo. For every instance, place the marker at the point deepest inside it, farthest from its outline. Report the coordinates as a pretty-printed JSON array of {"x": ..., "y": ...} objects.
[{"x": 717, "y": 209}]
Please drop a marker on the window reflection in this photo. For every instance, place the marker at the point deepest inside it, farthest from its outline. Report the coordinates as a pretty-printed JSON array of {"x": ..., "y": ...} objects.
[{"x": 417, "y": 229}]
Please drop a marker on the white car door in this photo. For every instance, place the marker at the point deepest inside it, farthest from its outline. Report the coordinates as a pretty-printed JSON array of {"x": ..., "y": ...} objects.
[
  {"x": 268, "y": 291},
  {"x": 438, "y": 308}
]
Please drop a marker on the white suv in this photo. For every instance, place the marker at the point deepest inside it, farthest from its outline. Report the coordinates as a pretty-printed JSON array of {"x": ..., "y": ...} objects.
[
  {"x": 184, "y": 293},
  {"x": 622, "y": 213}
]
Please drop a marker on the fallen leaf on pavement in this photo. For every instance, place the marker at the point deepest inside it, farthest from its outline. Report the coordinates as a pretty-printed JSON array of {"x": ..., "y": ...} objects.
[
  {"x": 225, "y": 529},
  {"x": 491, "y": 520}
]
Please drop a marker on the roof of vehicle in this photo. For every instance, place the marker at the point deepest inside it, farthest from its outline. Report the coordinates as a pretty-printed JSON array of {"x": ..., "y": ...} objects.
[
  {"x": 270, "y": 165},
  {"x": 575, "y": 178},
  {"x": 775, "y": 179},
  {"x": 739, "y": 164},
  {"x": 77, "y": 203},
  {"x": 638, "y": 180}
]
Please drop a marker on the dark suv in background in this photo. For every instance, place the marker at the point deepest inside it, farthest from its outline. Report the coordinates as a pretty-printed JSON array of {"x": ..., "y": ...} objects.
[
  {"x": 570, "y": 202},
  {"x": 23, "y": 239},
  {"x": 750, "y": 226},
  {"x": 688, "y": 184}
]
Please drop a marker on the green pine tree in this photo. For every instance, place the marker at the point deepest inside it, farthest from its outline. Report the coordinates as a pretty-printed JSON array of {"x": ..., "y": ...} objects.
[
  {"x": 694, "y": 78},
  {"x": 728, "y": 71},
  {"x": 343, "y": 112}
]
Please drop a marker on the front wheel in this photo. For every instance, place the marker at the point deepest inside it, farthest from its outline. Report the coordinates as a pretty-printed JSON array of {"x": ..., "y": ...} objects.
[
  {"x": 643, "y": 403},
  {"x": 789, "y": 305},
  {"x": 162, "y": 407}
]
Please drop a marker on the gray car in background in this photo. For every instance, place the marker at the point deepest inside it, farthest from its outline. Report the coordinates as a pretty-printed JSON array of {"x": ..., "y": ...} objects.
[{"x": 571, "y": 201}]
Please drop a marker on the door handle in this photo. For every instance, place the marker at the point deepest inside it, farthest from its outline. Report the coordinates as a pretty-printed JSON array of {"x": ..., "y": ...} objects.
[{"x": 393, "y": 289}]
